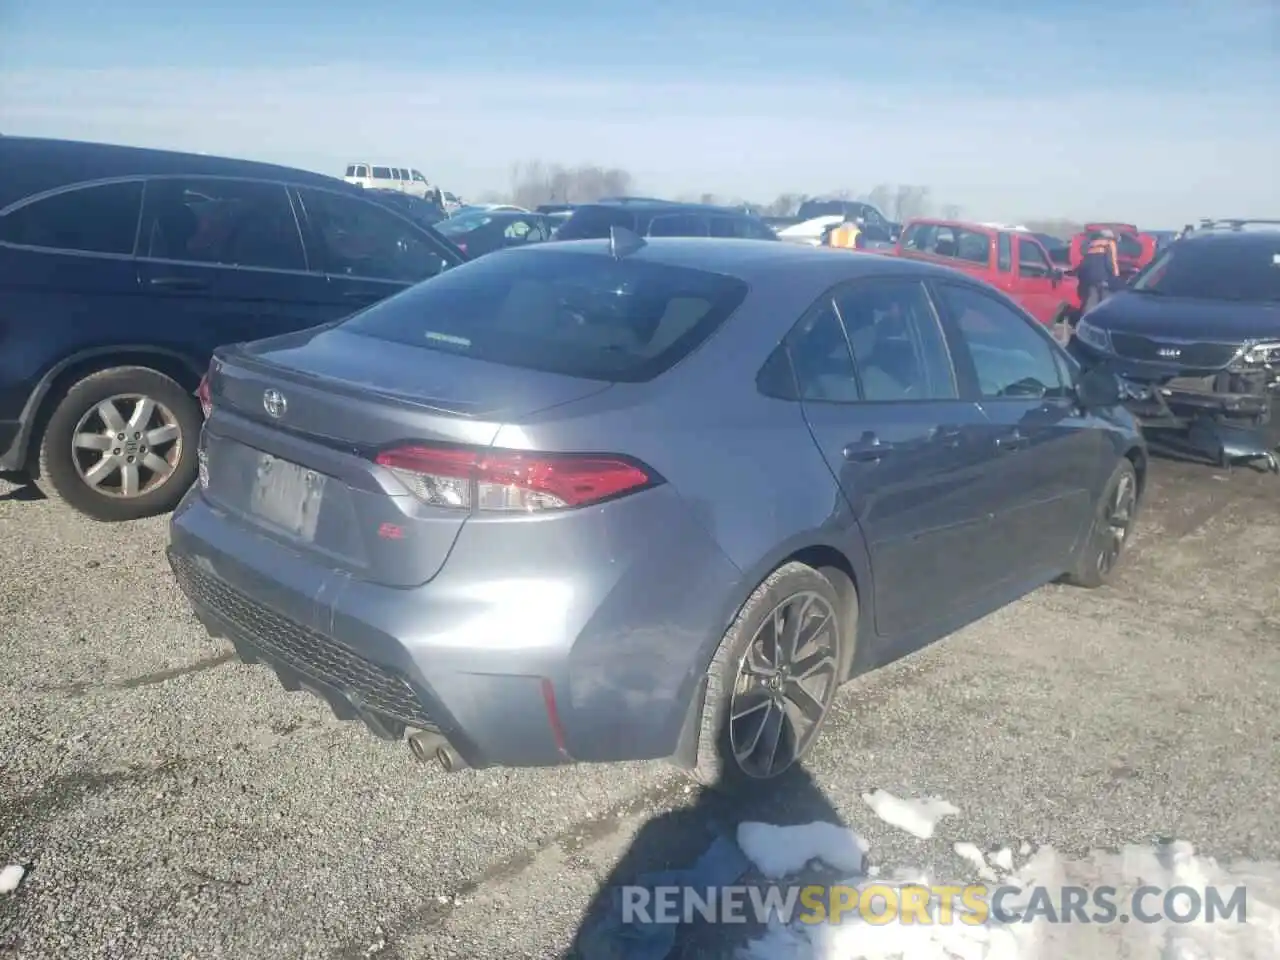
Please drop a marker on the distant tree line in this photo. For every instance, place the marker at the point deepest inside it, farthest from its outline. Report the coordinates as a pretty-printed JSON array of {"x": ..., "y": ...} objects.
[{"x": 536, "y": 182}]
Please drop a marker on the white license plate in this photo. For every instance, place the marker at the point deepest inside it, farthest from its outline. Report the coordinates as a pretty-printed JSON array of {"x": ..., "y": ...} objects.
[{"x": 288, "y": 496}]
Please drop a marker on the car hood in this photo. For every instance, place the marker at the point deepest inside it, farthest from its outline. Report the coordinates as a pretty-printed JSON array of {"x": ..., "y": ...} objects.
[{"x": 1187, "y": 318}]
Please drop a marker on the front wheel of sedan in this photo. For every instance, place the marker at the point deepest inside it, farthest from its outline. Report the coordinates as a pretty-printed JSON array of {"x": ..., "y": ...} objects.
[
  {"x": 120, "y": 444},
  {"x": 772, "y": 680},
  {"x": 1112, "y": 526}
]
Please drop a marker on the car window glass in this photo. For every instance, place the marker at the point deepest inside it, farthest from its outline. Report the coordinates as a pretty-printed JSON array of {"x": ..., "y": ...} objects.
[
  {"x": 594, "y": 223},
  {"x": 725, "y": 227},
  {"x": 1010, "y": 357},
  {"x": 1004, "y": 254},
  {"x": 898, "y": 348},
  {"x": 1031, "y": 259},
  {"x": 1242, "y": 268},
  {"x": 361, "y": 239},
  {"x": 99, "y": 219},
  {"x": 516, "y": 230},
  {"x": 381, "y": 173},
  {"x": 362, "y": 171},
  {"x": 758, "y": 230},
  {"x": 418, "y": 177},
  {"x": 678, "y": 226},
  {"x": 351, "y": 170},
  {"x": 242, "y": 223},
  {"x": 564, "y": 311},
  {"x": 821, "y": 359}
]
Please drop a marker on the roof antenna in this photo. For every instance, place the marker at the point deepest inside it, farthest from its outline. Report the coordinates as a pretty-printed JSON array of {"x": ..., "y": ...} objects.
[{"x": 623, "y": 242}]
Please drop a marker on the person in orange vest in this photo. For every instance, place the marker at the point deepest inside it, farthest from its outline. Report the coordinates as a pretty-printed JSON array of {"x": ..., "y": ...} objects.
[
  {"x": 847, "y": 235},
  {"x": 1099, "y": 269}
]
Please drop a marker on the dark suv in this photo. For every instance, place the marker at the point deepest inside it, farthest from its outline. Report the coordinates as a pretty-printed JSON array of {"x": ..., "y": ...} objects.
[
  {"x": 1195, "y": 338},
  {"x": 661, "y": 218},
  {"x": 122, "y": 269}
]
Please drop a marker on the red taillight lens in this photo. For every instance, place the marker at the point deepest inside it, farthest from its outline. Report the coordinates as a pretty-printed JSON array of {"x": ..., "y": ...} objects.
[
  {"x": 509, "y": 480},
  {"x": 204, "y": 396}
]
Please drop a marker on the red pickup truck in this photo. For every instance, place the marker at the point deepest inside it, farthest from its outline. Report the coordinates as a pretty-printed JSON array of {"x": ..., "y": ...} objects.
[
  {"x": 1134, "y": 249},
  {"x": 1012, "y": 261}
]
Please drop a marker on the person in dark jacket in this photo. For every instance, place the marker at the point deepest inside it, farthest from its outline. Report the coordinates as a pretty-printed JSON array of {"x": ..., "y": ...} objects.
[{"x": 1099, "y": 269}]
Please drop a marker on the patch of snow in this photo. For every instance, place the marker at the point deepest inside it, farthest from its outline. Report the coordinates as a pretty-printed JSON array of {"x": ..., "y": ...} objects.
[
  {"x": 918, "y": 817},
  {"x": 1166, "y": 867},
  {"x": 971, "y": 853},
  {"x": 1024, "y": 849},
  {"x": 1003, "y": 858},
  {"x": 779, "y": 852},
  {"x": 11, "y": 876}
]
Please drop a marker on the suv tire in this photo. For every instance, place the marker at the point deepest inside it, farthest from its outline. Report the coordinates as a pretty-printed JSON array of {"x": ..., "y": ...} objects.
[
  {"x": 735, "y": 680},
  {"x": 135, "y": 424}
]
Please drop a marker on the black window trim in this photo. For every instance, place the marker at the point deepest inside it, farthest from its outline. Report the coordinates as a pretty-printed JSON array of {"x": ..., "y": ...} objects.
[
  {"x": 1048, "y": 262},
  {"x": 68, "y": 188},
  {"x": 962, "y": 360},
  {"x": 447, "y": 251},
  {"x": 828, "y": 299}
]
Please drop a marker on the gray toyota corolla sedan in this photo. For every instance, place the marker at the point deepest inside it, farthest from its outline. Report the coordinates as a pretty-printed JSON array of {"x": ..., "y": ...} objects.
[{"x": 616, "y": 499}]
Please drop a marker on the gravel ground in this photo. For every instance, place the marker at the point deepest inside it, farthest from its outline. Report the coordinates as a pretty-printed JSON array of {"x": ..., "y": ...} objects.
[{"x": 171, "y": 802}]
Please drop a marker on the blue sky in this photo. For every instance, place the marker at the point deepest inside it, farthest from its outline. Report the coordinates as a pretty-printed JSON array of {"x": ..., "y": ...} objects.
[{"x": 1152, "y": 112}]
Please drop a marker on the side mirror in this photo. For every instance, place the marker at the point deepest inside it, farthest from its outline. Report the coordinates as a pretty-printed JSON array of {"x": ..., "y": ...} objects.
[{"x": 1098, "y": 387}]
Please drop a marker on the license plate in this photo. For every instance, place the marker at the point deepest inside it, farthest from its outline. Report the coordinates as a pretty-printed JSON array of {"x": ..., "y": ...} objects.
[{"x": 288, "y": 496}]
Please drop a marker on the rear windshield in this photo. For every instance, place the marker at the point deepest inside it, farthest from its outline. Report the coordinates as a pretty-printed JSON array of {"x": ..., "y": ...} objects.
[
  {"x": 577, "y": 313},
  {"x": 594, "y": 223},
  {"x": 1247, "y": 270}
]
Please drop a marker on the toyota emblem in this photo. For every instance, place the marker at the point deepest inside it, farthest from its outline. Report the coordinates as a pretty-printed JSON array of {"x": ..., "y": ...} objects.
[{"x": 274, "y": 403}]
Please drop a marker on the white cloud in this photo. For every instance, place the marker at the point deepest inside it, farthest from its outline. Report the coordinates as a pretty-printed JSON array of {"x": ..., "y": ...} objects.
[{"x": 1040, "y": 150}]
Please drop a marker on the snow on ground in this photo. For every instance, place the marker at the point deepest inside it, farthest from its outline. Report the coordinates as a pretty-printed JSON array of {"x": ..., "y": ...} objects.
[
  {"x": 11, "y": 876},
  {"x": 778, "y": 852},
  {"x": 918, "y": 817},
  {"x": 1165, "y": 866}
]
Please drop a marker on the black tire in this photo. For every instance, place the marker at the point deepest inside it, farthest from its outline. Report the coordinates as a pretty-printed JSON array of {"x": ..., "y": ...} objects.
[
  {"x": 716, "y": 765},
  {"x": 1090, "y": 571},
  {"x": 59, "y": 475}
]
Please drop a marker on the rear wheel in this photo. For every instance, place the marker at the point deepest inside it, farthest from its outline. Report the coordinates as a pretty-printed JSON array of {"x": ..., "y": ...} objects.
[
  {"x": 772, "y": 680},
  {"x": 120, "y": 444},
  {"x": 1112, "y": 525}
]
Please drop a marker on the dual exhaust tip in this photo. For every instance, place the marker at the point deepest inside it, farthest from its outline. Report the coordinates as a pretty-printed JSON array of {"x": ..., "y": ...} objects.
[{"x": 428, "y": 747}]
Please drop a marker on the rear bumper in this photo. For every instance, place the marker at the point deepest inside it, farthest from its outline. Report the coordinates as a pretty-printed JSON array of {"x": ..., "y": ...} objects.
[{"x": 518, "y": 671}]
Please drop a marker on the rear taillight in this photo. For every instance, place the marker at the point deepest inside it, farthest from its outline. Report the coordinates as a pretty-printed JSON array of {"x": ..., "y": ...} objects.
[
  {"x": 204, "y": 396},
  {"x": 512, "y": 481}
]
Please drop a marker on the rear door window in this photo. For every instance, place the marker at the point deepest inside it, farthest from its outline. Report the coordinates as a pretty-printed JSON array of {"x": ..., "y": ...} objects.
[
  {"x": 102, "y": 218},
  {"x": 382, "y": 173},
  {"x": 594, "y": 223},
  {"x": 575, "y": 313},
  {"x": 1004, "y": 253},
  {"x": 678, "y": 225},
  {"x": 356, "y": 238},
  {"x": 237, "y": 223}
]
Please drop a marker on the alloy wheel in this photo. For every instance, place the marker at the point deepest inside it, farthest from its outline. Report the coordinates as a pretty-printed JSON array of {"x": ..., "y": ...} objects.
[
  {"x": 126, "y": 446},
  {"x": 1118, "y": 518},
  {"x": 784, "y": 685}
]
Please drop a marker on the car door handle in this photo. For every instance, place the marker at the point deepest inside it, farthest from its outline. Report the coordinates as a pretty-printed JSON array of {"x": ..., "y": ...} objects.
[
  {"x": 1011, "y": 441},
  {"x": 869, "y": 449},
  {"x": 178, "y": 283}
]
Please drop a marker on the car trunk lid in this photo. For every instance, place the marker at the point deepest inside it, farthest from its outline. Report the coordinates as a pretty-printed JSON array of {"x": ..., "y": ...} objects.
[{"x": 297, "y": 421}]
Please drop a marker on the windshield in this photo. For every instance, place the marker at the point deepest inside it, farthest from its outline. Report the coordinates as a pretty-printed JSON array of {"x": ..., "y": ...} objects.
[
  {"x": 463, "y": 223},
  {"x": 580, "y": 314},
  {"x": 1246, "y": 270}
]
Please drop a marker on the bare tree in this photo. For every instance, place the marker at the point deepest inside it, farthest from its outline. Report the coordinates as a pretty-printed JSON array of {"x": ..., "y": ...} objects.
[
  {"x": 534, "y": 183},
  {"x": 1063, "y": 229},
  {"x": 909, "y": 202},
  {"x": 881, "y": 198}
]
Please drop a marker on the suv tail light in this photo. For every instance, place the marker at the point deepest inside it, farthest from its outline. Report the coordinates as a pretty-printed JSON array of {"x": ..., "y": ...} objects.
[
  {"x": 204, "y": 396},
  {"x": 504, "y": 480}
]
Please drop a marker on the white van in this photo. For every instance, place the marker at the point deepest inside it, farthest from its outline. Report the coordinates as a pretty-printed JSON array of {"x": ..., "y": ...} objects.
[{"x": 379, "y": 177}]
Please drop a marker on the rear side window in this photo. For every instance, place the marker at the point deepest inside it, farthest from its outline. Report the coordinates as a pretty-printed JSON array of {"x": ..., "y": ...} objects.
[
  {"x": 1004, "y": 262},
  {"x": 241, "y": 223},
  {"x": 99, "y": 219},
  {"x": 382, "y": 173},
  {"x": 580, "y": 314},
  {"x": 594, "y": 223}
]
